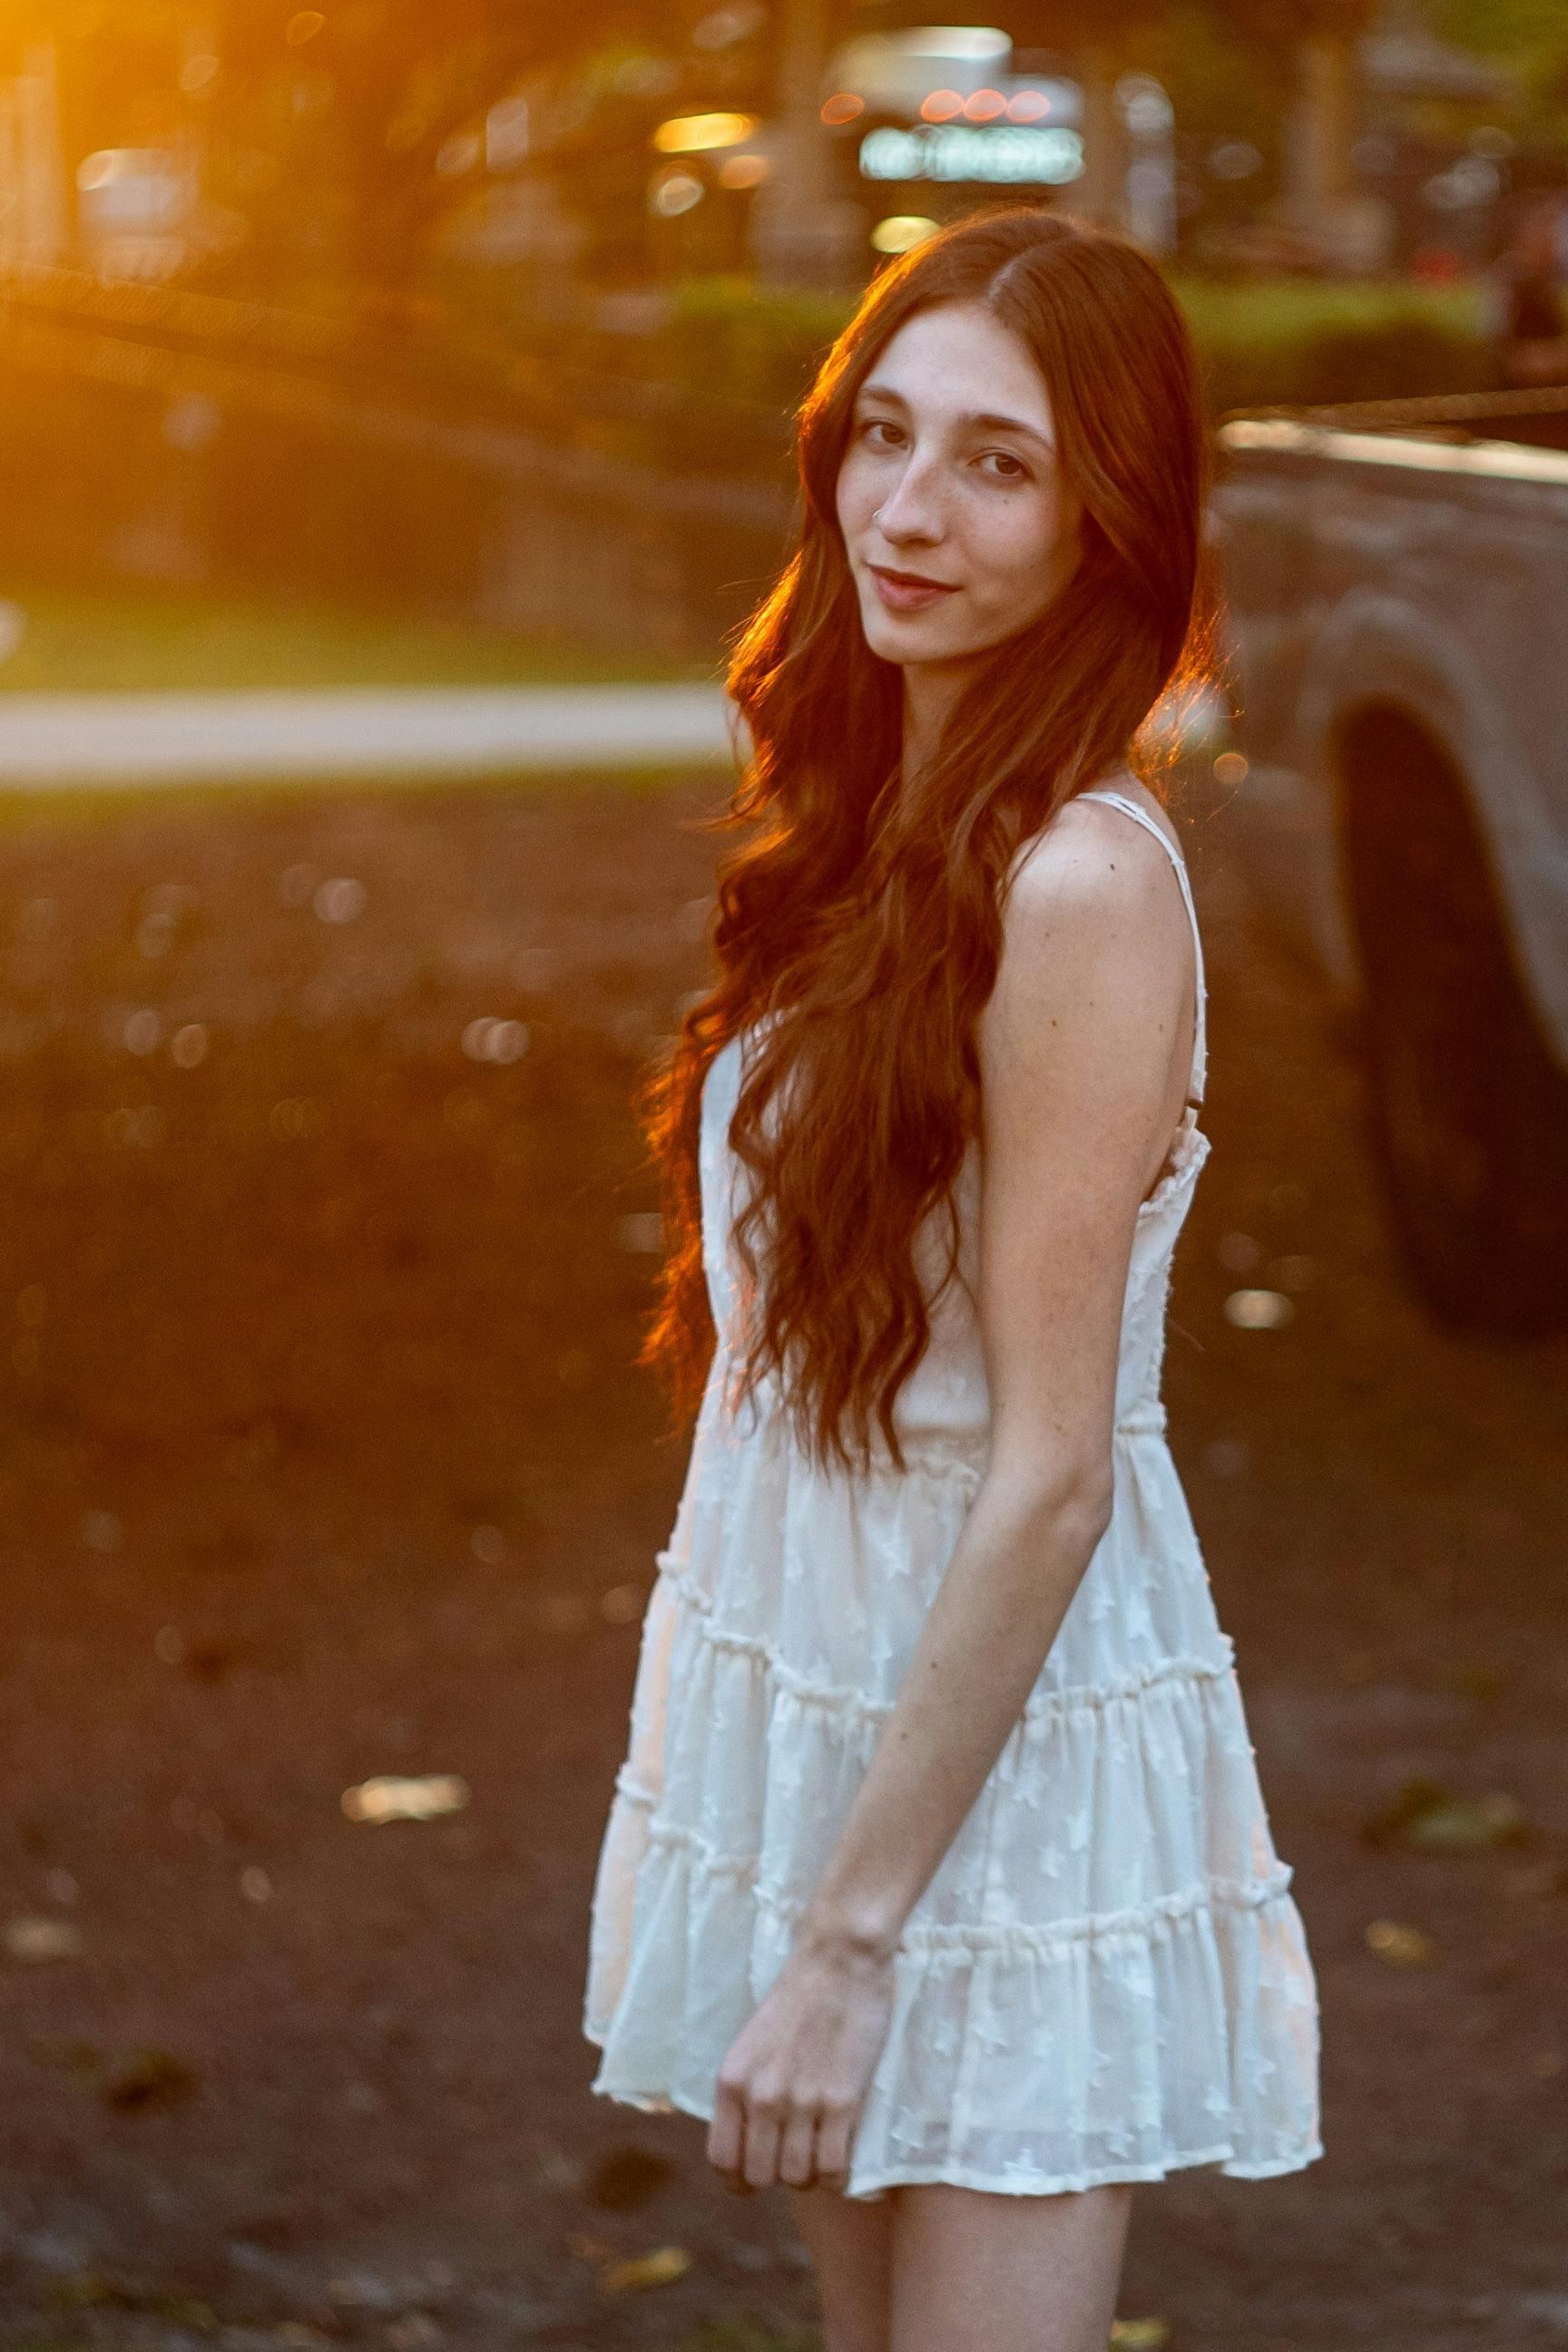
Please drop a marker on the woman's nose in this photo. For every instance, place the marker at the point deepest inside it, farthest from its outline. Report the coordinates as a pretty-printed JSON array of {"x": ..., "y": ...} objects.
[{"x": 911, "y": 510}]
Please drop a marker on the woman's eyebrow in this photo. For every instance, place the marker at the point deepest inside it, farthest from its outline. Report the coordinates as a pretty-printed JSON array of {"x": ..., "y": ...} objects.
[
  {"x": 979, "y": 420},
  {"x": 984, "y": 421}
]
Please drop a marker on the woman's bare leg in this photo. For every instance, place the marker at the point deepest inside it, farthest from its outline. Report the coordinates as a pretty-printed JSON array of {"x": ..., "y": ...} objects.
[
  {"x": 849, "y": 2240},
  {"x": 978, "y": 2270}
]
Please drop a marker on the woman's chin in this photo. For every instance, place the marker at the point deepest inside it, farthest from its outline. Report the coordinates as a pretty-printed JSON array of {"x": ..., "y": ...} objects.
[{"x": 899, "y": 639}]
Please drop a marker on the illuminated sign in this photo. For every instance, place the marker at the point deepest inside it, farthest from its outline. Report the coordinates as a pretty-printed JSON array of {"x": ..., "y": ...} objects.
[{"x": 1001, "y": 152}]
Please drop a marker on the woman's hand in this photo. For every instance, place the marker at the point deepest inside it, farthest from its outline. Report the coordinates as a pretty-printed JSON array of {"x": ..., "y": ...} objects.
[{"x": 791, "y": 2087}]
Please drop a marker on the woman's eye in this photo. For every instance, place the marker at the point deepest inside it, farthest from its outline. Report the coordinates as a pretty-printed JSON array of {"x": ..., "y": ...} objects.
[
  {"x": 1010, "y": 469},
  {"x": 875, "y": 424}
]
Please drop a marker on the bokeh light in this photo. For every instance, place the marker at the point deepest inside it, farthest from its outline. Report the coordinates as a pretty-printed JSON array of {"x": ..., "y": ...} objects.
[
  {"x": 690, "y": 134},
  {"x": 901, "y": 232}
]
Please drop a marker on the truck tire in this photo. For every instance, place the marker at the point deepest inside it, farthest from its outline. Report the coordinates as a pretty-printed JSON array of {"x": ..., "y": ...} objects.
[{"x": 1469, "y": 1108}]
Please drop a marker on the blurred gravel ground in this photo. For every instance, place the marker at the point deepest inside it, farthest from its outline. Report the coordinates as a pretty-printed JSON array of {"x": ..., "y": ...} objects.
[{"x": 321, "y": 1457}]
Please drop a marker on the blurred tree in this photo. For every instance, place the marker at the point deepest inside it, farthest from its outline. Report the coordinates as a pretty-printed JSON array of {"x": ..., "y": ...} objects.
[
  {"x": 1099, "y": 41},
  {"x": 1319, "y": 36},
  {"x": 364, "y": 96},
  {"x": 387, "y": 103},
  {"x": 329, "y": 130},
  {"x": 797, "y": 235},
  {"x": 1230, "y": 99}
]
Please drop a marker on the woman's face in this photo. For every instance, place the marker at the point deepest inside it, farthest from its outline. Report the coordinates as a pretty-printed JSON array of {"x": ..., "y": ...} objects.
[{"x": 958, "y": 524}]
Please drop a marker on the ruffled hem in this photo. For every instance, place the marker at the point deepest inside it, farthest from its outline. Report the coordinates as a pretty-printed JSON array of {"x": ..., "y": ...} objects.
[
  {"x": 1118, "y": 2046},
  {"x": 874, "y": 2185}
]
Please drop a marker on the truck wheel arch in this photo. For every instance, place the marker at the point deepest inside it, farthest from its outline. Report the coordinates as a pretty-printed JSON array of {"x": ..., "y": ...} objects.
[
  {"x": 1470, "y": 1115},
  {"x": 1383, "y": 674},
  {"x": 1385, "y": 765}
]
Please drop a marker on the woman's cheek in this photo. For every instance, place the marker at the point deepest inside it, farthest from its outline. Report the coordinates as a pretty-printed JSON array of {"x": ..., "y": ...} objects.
[
  {"x": 1014, "y": 559},
  {"x": 1035, "y": 550},
  {"x": 850, "y": 497}
]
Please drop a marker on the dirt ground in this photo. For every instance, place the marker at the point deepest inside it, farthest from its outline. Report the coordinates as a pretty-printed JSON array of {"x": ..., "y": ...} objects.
[{"x": 323, "y": 1457}]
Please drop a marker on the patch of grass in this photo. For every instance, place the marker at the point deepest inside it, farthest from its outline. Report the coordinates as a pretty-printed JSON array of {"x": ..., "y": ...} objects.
[
  {"x": 761, "y": 342},
  {"x": 87, "y": 805},
  {"x": 1269, "y": 310},
  {"x": 156, "y": 638},
  {"x": 1299, "y": 341}
]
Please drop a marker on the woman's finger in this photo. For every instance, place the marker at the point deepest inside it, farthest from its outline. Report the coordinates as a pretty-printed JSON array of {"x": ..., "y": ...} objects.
[
  {"x": 761, "y": 2160},
  {"x": 726, "y": 2133},
  {"x": 835, "y": 2128},
  {"x": 797, "y": 2148}
]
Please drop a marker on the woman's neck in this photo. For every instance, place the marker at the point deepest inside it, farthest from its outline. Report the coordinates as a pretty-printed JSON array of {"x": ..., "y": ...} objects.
[{"x": 931, "y": 689}]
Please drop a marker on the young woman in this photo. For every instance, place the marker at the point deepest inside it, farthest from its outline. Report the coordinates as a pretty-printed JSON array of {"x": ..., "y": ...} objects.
[{"x": 937, "y": 1878}]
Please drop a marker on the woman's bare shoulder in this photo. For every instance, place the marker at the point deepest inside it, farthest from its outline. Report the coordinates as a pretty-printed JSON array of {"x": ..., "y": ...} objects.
[{"x": 1091, "y": 862}]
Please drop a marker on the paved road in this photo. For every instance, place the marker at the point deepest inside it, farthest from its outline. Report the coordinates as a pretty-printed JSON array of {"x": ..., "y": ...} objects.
[{"x": 52, "y": 740}]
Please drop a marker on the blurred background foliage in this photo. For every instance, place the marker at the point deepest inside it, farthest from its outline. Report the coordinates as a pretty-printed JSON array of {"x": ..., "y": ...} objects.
[{"x": 438, "y": 307}]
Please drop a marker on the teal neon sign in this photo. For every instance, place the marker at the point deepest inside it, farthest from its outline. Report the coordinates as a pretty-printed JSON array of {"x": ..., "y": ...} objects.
[{"x": 1005, "y": 153}]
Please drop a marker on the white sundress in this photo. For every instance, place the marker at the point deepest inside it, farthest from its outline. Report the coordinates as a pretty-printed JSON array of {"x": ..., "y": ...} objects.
[{"x": 1106, "y": 1977}]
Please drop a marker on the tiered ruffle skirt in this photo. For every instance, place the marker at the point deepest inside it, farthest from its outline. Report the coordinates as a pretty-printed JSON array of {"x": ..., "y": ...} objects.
[{"x": 1107, "y": 1978}]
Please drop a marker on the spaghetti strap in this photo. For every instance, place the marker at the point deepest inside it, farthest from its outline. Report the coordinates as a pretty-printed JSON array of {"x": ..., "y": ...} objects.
[{"x": 1199, "y": 1072}]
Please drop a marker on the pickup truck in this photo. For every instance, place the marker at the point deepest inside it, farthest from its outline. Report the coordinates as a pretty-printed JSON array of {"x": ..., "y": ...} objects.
[{"x": 1396, "y": 577}]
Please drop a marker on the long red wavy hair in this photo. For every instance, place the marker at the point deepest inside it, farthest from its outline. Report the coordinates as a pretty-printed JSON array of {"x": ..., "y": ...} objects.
[{"x": 865, "y": 918}]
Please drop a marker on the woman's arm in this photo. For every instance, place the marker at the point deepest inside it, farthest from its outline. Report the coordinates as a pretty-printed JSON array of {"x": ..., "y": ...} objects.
[
  {"x": 1084, "y": 1059},
  {"x": 1084, "y": 1054}
]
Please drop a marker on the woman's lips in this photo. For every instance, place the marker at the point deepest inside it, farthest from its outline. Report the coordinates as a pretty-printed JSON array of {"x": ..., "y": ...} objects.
[{"x": 901, "y": 594}]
